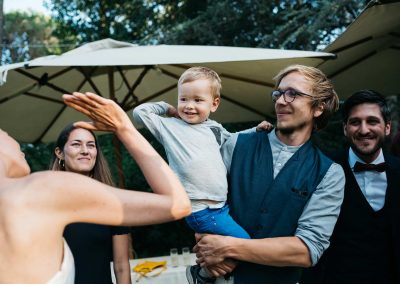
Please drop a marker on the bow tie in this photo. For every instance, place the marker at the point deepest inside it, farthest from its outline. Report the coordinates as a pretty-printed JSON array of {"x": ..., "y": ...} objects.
[{"x": 360, "y": 167}]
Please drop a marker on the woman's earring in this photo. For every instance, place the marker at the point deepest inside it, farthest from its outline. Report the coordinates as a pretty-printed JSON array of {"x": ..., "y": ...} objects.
[{"x": 61, "y": 164}]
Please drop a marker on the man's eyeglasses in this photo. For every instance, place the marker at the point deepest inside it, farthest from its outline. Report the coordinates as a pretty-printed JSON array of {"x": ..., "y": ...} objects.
[{"x": 288, "y": 95}]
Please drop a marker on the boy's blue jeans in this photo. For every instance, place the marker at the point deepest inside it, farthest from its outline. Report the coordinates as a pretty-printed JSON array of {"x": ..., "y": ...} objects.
[{"x": 216, "y": 221}]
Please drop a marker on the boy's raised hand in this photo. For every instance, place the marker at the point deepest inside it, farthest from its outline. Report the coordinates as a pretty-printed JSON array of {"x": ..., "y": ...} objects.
[
  {"x": 264, "y": 126},
  {"x": 172, "y": 112}
]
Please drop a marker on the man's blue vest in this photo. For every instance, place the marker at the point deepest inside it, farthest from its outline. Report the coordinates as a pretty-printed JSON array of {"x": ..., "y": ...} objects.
[{"x": 266, "y": 207}]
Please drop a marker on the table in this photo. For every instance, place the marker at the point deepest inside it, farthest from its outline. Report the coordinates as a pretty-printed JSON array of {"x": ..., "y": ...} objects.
[{"x": 173, "y": 275}]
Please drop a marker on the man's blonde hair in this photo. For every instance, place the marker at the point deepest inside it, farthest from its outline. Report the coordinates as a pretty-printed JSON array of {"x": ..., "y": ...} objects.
[
  {"x": 198, "y": 73},
  {"x": 321, "y": 90}
]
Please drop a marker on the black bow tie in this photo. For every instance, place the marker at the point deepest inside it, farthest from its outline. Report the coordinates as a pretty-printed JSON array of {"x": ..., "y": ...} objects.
[{"x": 360, "y": 167}]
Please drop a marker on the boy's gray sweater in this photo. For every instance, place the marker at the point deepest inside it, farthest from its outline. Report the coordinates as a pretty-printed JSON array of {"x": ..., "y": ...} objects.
[{"x": 193, "y": 150}]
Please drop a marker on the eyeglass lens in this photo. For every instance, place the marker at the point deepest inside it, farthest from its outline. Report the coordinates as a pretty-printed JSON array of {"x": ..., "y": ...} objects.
[{"x": 288, "y": 95}]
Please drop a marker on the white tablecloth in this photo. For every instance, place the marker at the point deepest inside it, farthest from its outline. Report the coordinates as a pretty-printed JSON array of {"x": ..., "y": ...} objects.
[{"x": 173, "y": 275}]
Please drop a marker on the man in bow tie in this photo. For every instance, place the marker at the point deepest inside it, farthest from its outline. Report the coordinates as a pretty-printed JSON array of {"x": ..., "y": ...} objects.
[{"x": 365, "y": 242}]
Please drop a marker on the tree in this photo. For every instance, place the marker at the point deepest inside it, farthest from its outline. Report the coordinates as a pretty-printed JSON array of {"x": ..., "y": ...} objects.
[
  {"x": 28, "y": 35},
  {"x": 304, "y": 25},
  {"x": 118, "y": 19},
  {"x": 140, "y": 21},
  {"x": 311, "y": 25}
]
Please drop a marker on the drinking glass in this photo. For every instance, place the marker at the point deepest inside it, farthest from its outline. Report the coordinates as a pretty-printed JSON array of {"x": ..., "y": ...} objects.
[
  {"x": 173, "y": 253},
  {"x": 186, "y": 256}
]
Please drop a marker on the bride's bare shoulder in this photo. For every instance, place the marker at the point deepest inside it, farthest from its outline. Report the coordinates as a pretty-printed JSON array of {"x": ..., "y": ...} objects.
[{"x": 41, "y": 182}]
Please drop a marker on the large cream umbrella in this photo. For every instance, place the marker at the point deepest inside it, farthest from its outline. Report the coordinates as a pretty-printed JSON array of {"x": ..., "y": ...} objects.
[{"x": 31, "y": 108}]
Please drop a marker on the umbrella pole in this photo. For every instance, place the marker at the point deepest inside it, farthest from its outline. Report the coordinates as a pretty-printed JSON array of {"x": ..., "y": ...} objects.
[
  {"x": 118, "y": 158},
  {"x": 115, "y": 141}
]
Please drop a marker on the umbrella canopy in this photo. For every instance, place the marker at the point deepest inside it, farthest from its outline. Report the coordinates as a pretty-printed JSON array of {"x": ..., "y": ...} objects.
[
  {"x": 31, "y": 107},
  {"x": 368, "y": 52}
]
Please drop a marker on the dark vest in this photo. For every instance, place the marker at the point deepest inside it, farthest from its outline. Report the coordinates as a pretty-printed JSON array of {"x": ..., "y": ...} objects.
[
  {"x": 361, "y": 247},
  {"x": 267, "y": 207}
]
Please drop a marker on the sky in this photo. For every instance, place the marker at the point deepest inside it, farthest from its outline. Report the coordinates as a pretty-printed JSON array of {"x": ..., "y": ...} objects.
[{"x": 24, "y": 5}]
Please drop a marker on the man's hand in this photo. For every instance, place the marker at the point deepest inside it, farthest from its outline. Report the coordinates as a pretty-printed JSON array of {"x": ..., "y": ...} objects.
[
  {"x": 210, "y": 253},
  {"x": 264, "y": 126},
  {"x": 210, "y": 249},
  {"x": 223, "y": 268}
]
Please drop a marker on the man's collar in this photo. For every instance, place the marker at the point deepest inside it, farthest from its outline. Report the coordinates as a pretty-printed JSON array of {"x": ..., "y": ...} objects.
[
  {"x": 353, "y": 158},
  {"x": 274, "y": 140}
]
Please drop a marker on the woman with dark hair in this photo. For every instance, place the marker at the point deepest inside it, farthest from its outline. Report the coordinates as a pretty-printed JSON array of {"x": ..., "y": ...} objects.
[
  {"x": 93, "y": 246},
  {"x": 36, "y": 208}
]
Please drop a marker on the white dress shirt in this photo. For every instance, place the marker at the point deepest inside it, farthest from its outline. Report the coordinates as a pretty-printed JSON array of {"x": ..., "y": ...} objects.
[{"x": 372, "y": 184}]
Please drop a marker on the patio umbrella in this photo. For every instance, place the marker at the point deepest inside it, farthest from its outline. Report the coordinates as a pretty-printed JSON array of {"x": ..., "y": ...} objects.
[
  {"x": 368, "y": 52},
  {"x": 32, "y": 110}
]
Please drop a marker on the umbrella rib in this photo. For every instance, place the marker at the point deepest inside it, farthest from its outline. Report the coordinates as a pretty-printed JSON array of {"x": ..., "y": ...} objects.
[
  {"x": 346, "y": 67},
  {"x": 55, "y": 75},
  {"x": 81, "y": 84},
  {"x": 33, "y": 77},
  {"x": 50, "y": 124},
  {"x": 43, "y": 98},
  {"x": 237, "y": 78},
  {"x": 245, "y": 106},
  {"x": 350, "y": 45},
  {"x": 85, "y": 79},
  {"x": 18, "y": 93},
  {"x": 168, "y": 73},
  {"x": 159, "y": 93},
  {"x": 123, "y": 77},
  {"x": 135, "y": 84},
  {"x": 89, "y": 79}
]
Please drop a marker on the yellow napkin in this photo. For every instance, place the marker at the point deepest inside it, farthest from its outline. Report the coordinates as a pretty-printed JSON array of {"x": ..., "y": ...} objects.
[{"x": 149, "y": 268}]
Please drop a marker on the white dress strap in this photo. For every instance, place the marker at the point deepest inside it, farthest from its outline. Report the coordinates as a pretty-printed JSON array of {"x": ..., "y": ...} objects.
[{"x": 66, "y": 275}]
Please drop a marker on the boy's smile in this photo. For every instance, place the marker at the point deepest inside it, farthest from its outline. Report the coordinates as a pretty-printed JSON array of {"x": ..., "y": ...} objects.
[{"x": 195, "y": 101}]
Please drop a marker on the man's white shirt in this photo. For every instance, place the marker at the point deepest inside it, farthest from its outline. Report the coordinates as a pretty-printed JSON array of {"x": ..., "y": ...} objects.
[{"x": 372, "y": 184}]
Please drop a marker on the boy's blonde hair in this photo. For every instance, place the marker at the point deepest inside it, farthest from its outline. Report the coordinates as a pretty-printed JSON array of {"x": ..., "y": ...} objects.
[
  {"x": 321, "y": 90},
  {"x": 198, "y": 73}
]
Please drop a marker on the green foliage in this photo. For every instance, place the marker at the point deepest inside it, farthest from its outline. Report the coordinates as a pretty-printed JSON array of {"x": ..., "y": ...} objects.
[
  {"x": 118, "y": 19},
  {"x": 38, "y": 155},
  {"x": 309, "y": 25},
  {"x": 304, "y": 25},
  {"x": 27, "y": 36}
]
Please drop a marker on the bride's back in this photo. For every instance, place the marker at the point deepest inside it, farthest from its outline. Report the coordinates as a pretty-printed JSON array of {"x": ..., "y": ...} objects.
[{"x": 30, "y": 242}]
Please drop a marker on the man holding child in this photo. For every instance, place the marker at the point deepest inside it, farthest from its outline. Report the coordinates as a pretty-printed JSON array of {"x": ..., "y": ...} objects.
[{"x": 283, "y": 191}]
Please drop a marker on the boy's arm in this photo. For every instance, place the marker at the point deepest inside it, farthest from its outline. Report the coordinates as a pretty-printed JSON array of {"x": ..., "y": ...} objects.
[
  {"x": 262, "y": 126},
  {"x": 150, "y": 116}
]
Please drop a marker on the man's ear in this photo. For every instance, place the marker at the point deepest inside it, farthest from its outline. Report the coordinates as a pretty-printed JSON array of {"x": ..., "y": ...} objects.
[
  {"x": 345, "y": 129},
  {"x": 319, "y": 109},
  {"x": 59, "y": 153},
  {"x": 215, "y": 104},
  {"x": 387, "y": 128}
]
